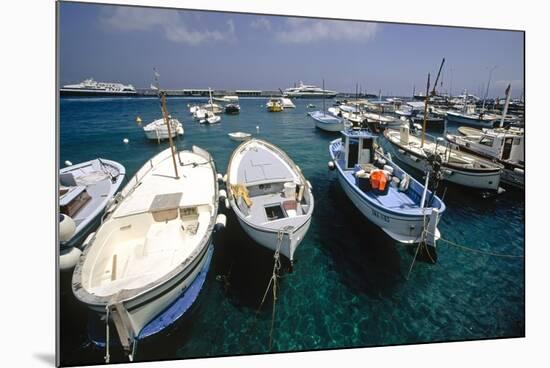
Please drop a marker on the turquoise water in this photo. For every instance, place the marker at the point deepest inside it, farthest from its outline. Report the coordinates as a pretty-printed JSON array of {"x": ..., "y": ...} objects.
[{"x": 349, "y": 287}]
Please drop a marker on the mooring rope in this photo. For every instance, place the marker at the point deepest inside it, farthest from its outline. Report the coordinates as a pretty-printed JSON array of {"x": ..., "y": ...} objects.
[
  {"x": 273, "y": 281},
  {"x": 481, "y": 251}
]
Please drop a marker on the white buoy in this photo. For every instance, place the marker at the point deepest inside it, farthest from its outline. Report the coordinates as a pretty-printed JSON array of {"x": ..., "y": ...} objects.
[
  {"x": 257, "y": 128},
  {"x": 331, "y": 165},
  {"x": 126, "y": 140},
  {"x": 68, "y": 163}
]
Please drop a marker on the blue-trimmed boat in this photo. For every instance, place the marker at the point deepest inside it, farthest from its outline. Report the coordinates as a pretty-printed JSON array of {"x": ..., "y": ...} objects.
[{"x": 383, "y": 192}]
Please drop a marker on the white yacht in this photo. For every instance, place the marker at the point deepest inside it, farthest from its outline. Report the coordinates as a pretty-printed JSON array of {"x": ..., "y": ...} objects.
[
  {"x": 308, "y": 91},
  {"x": 90, "y": 87}
]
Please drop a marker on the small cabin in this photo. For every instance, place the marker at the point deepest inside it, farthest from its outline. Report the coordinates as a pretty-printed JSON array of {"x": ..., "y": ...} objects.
[
  {"x": 505, "y": 145},
  {"x": 359, "y": 148}
]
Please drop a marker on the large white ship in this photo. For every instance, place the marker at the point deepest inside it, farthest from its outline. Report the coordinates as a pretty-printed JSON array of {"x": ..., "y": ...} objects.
[
  {"x": 308, "y": 91},
  {"x": 90, "y": 87}
]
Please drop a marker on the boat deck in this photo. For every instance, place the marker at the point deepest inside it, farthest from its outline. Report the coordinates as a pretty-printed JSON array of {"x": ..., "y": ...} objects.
[{"x": 394, "y": 200}]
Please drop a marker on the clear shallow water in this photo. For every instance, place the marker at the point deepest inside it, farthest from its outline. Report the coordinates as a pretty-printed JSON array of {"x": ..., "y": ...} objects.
[{"x": 349, "y": 285}]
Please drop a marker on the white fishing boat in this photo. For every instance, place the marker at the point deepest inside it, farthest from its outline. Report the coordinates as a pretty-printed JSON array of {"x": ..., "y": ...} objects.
[
  {"x": 456, "y": 167},
  {"x": 384, "y": 193},
  {"x": 85, "y": 189},
  {"x": 239, "y": 136},
  {"x": 158, "y": 129},
  {"x": 506, "y": 146},
  {"x": 152, "y": 243},
  {"x": 270, "y": 196},
  {"x": 327, "y": 122}
]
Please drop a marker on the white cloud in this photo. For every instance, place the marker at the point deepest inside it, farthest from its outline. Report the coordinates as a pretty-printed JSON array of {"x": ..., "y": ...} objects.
[
  {"x": 301, "y": 30},
  {"x": 261, "y": 23},
  {"x": 174, "y": 26}
]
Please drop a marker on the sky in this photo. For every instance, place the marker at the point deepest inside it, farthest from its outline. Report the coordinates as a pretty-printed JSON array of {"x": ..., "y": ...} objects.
[{"x": 196, "y": 49}]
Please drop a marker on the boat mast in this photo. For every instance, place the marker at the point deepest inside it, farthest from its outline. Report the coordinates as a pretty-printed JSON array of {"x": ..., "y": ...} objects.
[
  {"x": 324, "y": 112},
  {"x": 210, "y": 100},
  {"x": 162, "y": 95},
  {"x": 487, "y": 91},
  {"x": 505, "y": 110},
  {"x": 426, "y": 102}
]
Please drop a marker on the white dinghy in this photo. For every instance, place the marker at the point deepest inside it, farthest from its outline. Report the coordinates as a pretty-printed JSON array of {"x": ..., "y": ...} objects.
[
  {"x": 239, "y": 136},
  {"x": 270, "y": 196},
  {"x": 158, "y": 129},
  {"x": 152, "y": 244},
  {"x": 85, "y": 189}
]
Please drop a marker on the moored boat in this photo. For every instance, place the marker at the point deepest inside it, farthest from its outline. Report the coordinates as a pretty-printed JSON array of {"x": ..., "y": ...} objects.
[
  {"x": 152, "y": 244},
  {"x": 506, "y": 146},
  {"x": 239, "y": 136},
  {"x": 158, "y": 129},
  {"x": 85, "y": 189},
  {"x": 270, "y": 196},
  {"x": 232, "y": 109},
  {"x": 327, "y": 122},
  {"x": 384, "y": 193},
  {"x": 274, "y": 105},
  {"x": 456, "y": 167}
]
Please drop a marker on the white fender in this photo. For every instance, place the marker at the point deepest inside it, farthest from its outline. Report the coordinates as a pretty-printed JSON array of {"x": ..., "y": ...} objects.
[
  {"x": 68, "y": 260},
  {"x": 67, "y": 227},
  {"x": 225, "y": 178},
  {"x": 331, "y": 165},
  {"x": 219, "y": 177},
  {"x": 221, "y": 221},
  {"x": 222, "y": 194},
  {"x": 404, "y": 184},
  {"x": 227, "y": 206}
]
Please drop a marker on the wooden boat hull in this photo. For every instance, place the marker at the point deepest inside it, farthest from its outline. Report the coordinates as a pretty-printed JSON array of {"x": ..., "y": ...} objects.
[{"x": 488, "y": 180}]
